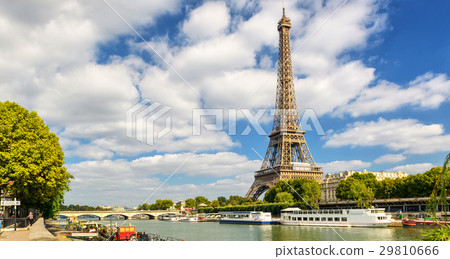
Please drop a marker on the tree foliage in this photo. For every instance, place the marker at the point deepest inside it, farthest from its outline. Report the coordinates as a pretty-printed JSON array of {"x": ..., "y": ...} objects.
[
  {"x": 190, "y": 203},
  {"x": 235, "y": 200},
  {"x": 158, "y": 205},
  {"x": 439, "y": 194},
  {"x": 200, "y": 199},
  {"x": 77, "y": 207},
  {"x": 284, "y": 197},
  {"x": 357, "y": 188},
  {"x": 305, "y": 191},
  {"x": 416, "y": 185},
  {"x": 222, "y": 201},
  {"x": 30, "y": 155},
  {"x": 215, "y": 203}
]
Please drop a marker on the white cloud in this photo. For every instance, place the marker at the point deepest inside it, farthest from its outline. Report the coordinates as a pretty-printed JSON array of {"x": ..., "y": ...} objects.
[
  {"x": 340, "y": 166},
  {"x": 389, "y": 158},
  {"x": 426, "y": 91},
  {"x": 207, "y": 21},
  {"x": 131, "y": 182},
  {"x": 397, "y": 134},
  {"x": 330, "y": 35},
  {"x": 324, "y": 93},
  {"x": 412, "y": 168},
  {"x": 91, "y": 152}
]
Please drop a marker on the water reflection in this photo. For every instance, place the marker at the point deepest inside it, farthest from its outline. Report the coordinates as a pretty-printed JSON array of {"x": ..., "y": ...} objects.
[{"x": 234, "y": 232}]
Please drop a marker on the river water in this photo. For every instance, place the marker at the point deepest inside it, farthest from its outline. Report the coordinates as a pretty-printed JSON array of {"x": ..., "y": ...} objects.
[{"x": 213, "y": 231}]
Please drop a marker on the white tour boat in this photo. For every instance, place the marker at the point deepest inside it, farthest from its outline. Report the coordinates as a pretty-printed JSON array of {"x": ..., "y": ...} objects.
[
  {"x": 246, "y": 217},
  {"x": 336, "y": 217},
  {"x": 190, "y": 219}
]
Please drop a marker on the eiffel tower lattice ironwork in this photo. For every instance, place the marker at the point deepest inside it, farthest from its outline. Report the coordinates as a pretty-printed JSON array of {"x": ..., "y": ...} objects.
[{"x": 288, "y": 155}]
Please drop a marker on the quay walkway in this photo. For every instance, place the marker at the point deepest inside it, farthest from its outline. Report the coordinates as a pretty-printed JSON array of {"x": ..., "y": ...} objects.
[{"x": 37, "y": 232}]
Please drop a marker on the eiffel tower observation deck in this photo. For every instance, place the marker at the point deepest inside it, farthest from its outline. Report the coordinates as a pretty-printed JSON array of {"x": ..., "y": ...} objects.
[{"x": 288, "y": 156}]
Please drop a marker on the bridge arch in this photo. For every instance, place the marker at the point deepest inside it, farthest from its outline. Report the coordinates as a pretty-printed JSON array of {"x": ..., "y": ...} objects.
[
  {"x": 115, "y": 214},
  {"x": 87, "y": 215},
  {"x": 150, "y": 216}
]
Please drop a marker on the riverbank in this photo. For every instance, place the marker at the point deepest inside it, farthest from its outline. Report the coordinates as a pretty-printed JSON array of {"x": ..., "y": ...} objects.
[{"x": 37, "y": 232}]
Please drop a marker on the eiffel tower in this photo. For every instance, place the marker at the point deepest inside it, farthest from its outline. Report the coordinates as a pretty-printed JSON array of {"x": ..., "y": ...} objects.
[{"x": 288, "y": 155}]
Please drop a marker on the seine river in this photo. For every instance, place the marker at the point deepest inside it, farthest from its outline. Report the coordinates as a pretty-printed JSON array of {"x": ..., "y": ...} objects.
[{"x": 213, "y": 231}]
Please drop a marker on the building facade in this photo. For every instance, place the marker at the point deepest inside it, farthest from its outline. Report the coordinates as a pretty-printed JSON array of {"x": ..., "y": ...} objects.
[{"x": 330, "y": 183}]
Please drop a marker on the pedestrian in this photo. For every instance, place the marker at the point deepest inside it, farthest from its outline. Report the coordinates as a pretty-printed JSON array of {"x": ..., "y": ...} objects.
[{"x": 30, "y": 218}]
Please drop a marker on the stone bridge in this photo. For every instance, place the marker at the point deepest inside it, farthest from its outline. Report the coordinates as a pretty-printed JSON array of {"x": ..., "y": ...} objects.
[{"x": 152, "y": 214}]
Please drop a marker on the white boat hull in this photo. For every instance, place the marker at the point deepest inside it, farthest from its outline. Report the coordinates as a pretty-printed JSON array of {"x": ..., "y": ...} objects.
[
  {"x": 335, "y": 218},
  {"x": 331, "y": 224}
]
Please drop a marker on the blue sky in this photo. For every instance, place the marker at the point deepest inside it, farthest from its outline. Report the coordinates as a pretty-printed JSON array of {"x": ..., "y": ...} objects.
[{"x": 374, "y": 73}]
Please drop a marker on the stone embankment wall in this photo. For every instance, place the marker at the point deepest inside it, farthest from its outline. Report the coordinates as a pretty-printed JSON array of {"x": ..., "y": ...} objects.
[{"x": 38, "y": 232}]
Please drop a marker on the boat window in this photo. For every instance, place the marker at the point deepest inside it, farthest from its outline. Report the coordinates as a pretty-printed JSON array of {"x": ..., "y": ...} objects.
[
  {"x": 325, "y": 212},
  {"x": 305, "y": 219},
  {"x": 289, "y": 217},
  {"x": 311, "y": 219},
  {"x": 337, "y": 219},
  {"x": 329, "y": 219},
  {"x": 317, "y": 219},
  {"x": 344, "y": 219},
  {"x": 323, "y": 219}
]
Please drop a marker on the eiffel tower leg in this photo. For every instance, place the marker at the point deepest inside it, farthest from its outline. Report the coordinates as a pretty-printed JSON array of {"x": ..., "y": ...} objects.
[
  {"x": 252, "y": 189},
  {"x": 257, "y": 189}
]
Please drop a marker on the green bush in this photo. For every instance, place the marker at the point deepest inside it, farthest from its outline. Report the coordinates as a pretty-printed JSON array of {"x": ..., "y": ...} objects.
[{"x": 441, "y": 233}]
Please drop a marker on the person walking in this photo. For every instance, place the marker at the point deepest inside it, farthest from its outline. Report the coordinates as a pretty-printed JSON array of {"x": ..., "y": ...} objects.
[{"x": 30, "y": 218}]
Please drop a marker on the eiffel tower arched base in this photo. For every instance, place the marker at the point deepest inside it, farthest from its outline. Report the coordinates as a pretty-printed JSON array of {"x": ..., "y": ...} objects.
[
  {"x": 265, "y": 179},
  {"x": 256, "y": 190}
]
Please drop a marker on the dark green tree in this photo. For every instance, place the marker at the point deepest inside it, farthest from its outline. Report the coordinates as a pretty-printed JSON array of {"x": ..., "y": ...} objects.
[
  {"x": 30, "y": 155},
  {"x": 284, "y": 197},
  {"x": 144, "y": 206},
  {"x": 215, "y": 203},
  {"x": 190, "y": 203},
  {"x": 353, "y": 189},
  {"x": 369, "y": 180},
  {"x": 303, "y": 190},
  {"x": 222, "y": 201},
  {"x": 238, "y": 200},
  {"x": 162, "y": 204},
  {"x": 439, "y": 194},
  {"x": 387, "y": 189},
  {"x": 200, "y": 199},
  {"x": 281, "y": 186}
]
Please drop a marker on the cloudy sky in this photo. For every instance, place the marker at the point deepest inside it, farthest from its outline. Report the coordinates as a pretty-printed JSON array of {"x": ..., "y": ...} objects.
[{"x": 374, "y": 74}]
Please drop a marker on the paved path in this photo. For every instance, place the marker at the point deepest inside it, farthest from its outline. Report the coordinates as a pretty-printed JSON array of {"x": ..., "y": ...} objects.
[
  {"x": 37, "y": 232},
  {"x": 21, "y": 235}
]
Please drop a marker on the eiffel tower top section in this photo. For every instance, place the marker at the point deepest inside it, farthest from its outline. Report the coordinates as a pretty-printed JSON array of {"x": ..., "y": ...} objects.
[{"x": 286, "y": 116}]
